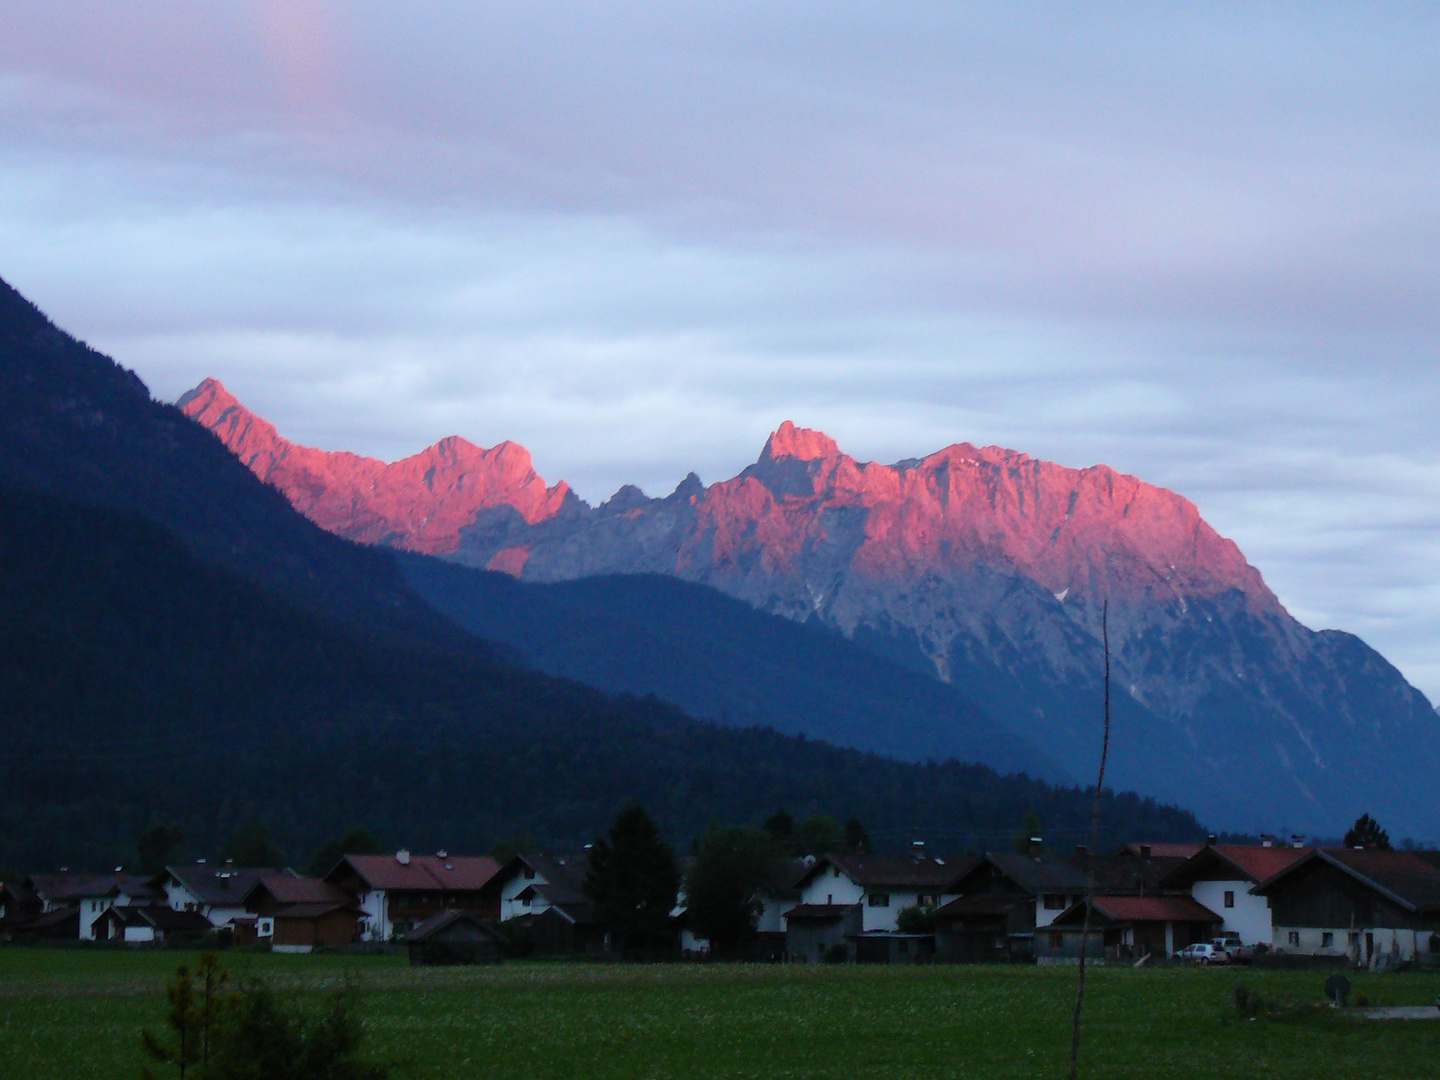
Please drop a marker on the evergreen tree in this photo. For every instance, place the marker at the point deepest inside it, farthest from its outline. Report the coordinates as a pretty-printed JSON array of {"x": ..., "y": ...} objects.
[
  {"x": 856, "y": 838},
  {"x": 250, "y": 845},
  {"x": 155, "y": 846},
  {"x": 818, "y": 835},
  {"x": 725, "y": 888},
  {"x": 1367, "y": 833},
  {"x": 356, "y": 840},
  {"x": 781, "y": 826},
  {"x": 633, "y": 880}
]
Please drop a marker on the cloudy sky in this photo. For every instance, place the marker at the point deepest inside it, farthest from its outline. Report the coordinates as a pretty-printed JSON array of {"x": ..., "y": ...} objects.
[{"x": 1195, "y": 241}]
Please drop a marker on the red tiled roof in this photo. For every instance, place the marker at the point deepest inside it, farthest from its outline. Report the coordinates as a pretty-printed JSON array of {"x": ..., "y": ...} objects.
[
  {"x": 1154, "y": 909},
  {"x": 293, "y": 889},
  {"x": 1260, "y": 862},
  {"x": 423, "y": 872}
]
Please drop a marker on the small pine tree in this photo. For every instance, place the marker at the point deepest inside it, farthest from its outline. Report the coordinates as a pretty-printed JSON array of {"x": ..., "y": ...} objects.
[
  {"x": 198, "y": 1002},
  {"x": 1367, "y": 833}
]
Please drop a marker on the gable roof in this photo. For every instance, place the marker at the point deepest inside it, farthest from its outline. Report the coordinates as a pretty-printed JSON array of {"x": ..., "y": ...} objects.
[
  {"x": 560, "y": 879},
  {"x": 68, "y": 888},
  {"x": 422, "y": 873},
  {"x": 1033, "y": 874},
  {"x": 1403, "y": 877},
  {"x": 1246, "y": 862},
  {"x": 438, "y": 923},
  {"x": 215, "y": 885},
  {"x": 901, "y": 872},
  {"x": 295, "y": 889},
  {"x": 1117, "y": 909}
]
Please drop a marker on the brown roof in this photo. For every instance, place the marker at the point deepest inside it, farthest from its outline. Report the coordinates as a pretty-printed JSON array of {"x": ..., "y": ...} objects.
[
  {"x": 436, "y": 923},
  {"x": 220, "y": 885},
  {"x": 312, "y": 911},
  {"x": 294, "y": 889},
  {"x": 1140, "y": 909},
  {"x": 893, "y": 871},
  {"x": 452, "y": 873}
]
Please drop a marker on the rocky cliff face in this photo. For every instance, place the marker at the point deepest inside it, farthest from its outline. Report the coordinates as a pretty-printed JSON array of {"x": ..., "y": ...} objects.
[
  {"x": 418, "y": 504},
  {"x": 983, "y": 566}
]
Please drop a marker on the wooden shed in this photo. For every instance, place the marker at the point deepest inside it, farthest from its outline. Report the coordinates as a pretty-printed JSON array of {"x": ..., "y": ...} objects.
[{"x": 454, "y": 937}]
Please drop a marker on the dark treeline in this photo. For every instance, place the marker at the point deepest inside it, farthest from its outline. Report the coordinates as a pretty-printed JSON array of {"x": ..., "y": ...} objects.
[{"x": 139, "y": 686}]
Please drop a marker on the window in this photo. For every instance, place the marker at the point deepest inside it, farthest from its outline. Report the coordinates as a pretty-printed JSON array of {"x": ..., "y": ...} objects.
[
  {"x": 922, "y": 900},
  {"x": 1229, "y": 897},
  {"x": 1054, "y": 902},
  {"x": 879, "y": 899},
  {"x": 1327, "y": 940},
  {"x": 528, "y": 874},
  {"x": 1294, "y": 937},
  {"x": 1057, "y": 941}
]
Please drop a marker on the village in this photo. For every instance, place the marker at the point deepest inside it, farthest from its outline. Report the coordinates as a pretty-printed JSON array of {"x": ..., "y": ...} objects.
[{"x": 1278, "y": 903}]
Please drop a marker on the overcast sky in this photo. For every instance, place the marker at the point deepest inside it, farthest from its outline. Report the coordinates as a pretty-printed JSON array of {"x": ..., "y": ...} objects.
[{"x": 1197, "y": 242}]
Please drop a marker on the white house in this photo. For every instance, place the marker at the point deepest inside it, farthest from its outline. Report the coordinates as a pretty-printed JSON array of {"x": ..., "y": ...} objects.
[
  {"x": 883, "y": 885},
  {"x": 1221, "y": 877},
  {"x": 216, "y": 892},
  {"x": 396, "y": 893}
]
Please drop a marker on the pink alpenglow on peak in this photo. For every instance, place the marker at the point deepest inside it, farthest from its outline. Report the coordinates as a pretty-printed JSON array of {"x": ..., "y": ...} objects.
[
  {"x": 796, "y": 442},
  {"x": 420, "y": 503}
]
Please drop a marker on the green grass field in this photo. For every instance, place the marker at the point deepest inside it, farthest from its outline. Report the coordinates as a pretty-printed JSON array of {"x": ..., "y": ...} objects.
[{"x": 76, "y": 1013}]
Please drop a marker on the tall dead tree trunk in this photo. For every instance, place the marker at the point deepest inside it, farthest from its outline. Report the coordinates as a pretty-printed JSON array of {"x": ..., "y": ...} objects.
[{"x": 1094, "y": 841}]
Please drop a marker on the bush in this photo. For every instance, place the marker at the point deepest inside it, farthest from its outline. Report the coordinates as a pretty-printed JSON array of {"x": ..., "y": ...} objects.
[{"x": 221, "y": 1032}]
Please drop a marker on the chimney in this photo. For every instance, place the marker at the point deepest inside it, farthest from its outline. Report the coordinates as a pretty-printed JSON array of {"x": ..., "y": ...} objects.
[
  {"x": 1210, "y": 840},
  {"x": 442, "y": 854},
  {"x": 917, "y": 849},
  {"x": 1145, "y": 851},
  {"x": 1036, "y": 843},
  {"x": 1082, "y": 851},
  {"x": 1297, "y": 840},
  {"x": 402, "y": 857}
]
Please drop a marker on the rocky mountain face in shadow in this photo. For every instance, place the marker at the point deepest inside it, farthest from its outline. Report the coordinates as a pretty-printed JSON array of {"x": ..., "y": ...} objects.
[{"x": 985, "y": 568}]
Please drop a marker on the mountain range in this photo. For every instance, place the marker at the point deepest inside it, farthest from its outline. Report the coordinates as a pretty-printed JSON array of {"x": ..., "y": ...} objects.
[
  {"x": 980, "y": 568},
  {"x": 178, "y": 644}
]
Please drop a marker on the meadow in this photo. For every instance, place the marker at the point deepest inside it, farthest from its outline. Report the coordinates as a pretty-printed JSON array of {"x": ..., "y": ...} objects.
[{"x": 77, "y": 1013}]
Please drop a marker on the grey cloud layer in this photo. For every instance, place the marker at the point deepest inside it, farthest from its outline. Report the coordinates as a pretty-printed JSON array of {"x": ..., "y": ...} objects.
[{"x": 1191, "y": 241}]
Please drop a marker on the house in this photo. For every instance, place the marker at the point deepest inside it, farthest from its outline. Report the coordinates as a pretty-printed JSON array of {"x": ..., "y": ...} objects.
[
  {"x": 812, "y": 930},
  {"x": 543, "y": 898},
  {"x": 1127, "y": 927},
  {"x": 1005, "y": 899},
  {"x": 52, "y": 898},
  {"x": 1374, "y": 907},
  {"x": 149, "y": 923},
  {"x": 396, "y": 893},
  {"x": 454, "y": 937},
  {"x": 1221, "y": 877},
  {"x": 856, "y": 900},
  {"x": 883, "y": 885},
  {"x": 1002, "y": 899},
  {"x": 986, "y": 929},
  {"x": 296, "y": 913},
  {"x": 216, "y": 892}
]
